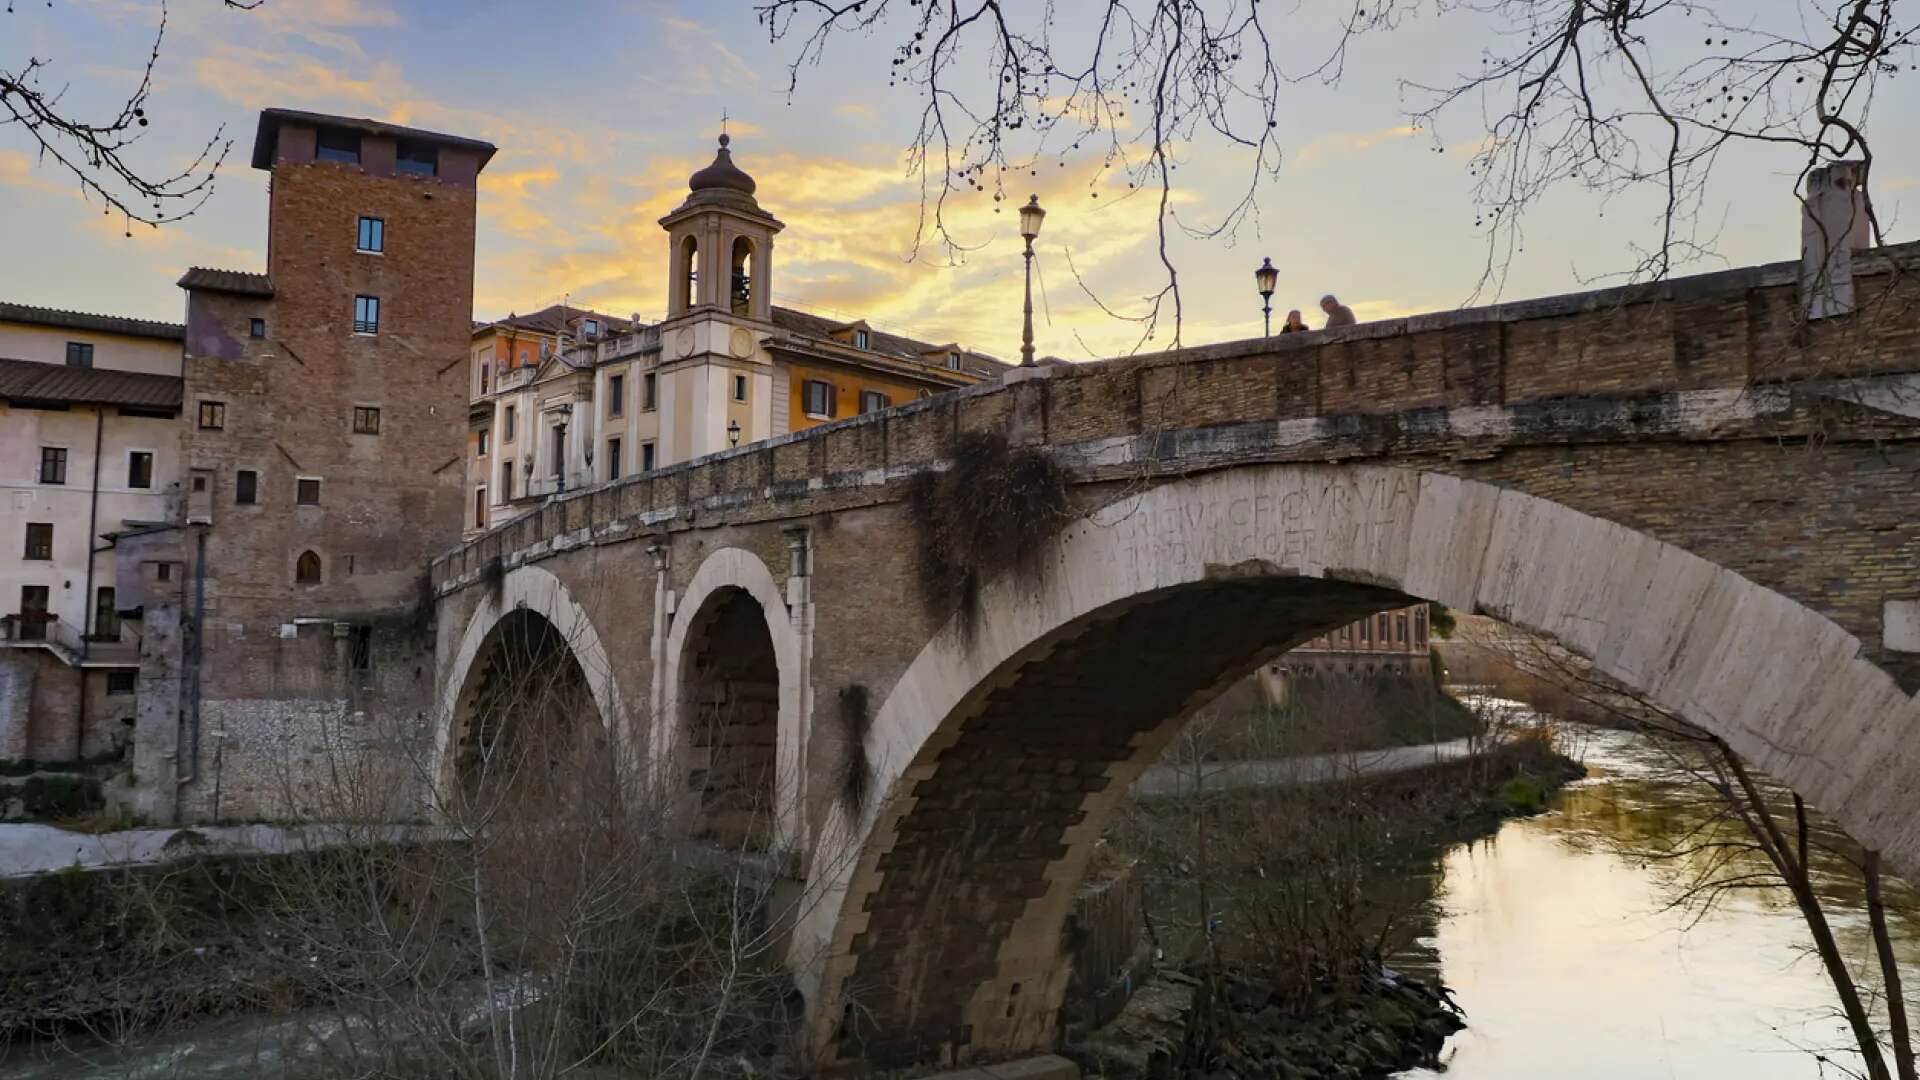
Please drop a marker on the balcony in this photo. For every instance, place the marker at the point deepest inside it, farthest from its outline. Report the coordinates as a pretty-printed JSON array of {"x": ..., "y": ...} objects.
[
  {"x": 43, "y": 630},
  {"x": 514, "y": 378}
]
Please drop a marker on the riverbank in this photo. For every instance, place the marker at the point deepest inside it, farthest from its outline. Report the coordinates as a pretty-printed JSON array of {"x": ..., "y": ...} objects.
[{"x": 1273, "y": 907}]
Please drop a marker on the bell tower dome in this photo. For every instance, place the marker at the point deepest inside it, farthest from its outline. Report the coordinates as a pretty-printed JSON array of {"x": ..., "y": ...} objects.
[{"x": 720, "y": 244}]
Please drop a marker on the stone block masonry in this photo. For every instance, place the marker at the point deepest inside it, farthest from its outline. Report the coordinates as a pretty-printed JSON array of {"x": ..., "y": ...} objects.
[{"x": 1709, "y": 499}]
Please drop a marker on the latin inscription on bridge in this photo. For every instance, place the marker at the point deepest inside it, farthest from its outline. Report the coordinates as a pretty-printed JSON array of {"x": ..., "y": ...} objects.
[{"x": 1298, "y": 519}]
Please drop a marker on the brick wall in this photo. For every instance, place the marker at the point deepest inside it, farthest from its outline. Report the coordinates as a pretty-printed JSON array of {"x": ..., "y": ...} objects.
[{"x": 280, "y": 691}]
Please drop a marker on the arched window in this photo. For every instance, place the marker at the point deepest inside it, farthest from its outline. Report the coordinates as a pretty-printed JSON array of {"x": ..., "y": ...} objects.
[
  {"x": 306, "y": 569},
  {"x": 740, "y": 298},
  {"x": 689, "y": 272}
]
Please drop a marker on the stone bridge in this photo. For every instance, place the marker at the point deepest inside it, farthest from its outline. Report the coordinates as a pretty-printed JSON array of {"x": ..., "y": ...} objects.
[{"x": 1712, "y": 498}]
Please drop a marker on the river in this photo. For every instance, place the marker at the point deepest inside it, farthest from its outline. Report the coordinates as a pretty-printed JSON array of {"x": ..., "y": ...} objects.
[
  {"x": 1572, "y": 958},
  {"x": 1566, "y": 951}
]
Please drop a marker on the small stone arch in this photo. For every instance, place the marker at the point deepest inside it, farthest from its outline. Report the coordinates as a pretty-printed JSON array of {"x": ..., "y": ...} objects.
[
  {"x": 1786, "y": 687},
  {"x": 686, "y": 276},
  {"x": 729, "y": 583},
  {"x": 534, "y": 590},
  {"x": 307, "y": 568},
  {"x": 740, "y": 283}
]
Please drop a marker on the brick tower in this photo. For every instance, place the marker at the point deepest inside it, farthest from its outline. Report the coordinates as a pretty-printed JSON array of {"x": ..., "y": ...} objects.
[{"x": 325, "y": 426}]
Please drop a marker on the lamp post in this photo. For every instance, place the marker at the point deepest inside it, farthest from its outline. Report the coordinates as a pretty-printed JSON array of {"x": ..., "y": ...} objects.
[
  {"x": 1030, "y": 217},
  {"x": 560, "y": 447},
  {"x": 1264, "y": 279},
  {"x": 733, "y": 433}
]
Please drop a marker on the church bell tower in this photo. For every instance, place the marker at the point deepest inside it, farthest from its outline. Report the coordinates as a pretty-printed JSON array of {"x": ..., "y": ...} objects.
[{"x": 717, "y": 384}]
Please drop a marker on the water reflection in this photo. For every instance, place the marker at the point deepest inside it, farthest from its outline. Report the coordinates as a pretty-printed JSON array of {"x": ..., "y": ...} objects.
[{"x": 1573, "y": 954}]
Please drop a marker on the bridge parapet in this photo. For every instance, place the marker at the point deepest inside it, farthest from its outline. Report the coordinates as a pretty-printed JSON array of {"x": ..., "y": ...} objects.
[{"x": 1687, "y": 347}]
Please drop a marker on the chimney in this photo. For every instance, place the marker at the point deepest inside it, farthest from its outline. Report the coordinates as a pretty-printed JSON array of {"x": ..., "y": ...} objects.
[{"x": 1833, "y": 225}]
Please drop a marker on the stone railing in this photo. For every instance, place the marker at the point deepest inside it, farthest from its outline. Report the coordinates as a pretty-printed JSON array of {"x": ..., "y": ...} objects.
[{"x": 1455, "y": 379}]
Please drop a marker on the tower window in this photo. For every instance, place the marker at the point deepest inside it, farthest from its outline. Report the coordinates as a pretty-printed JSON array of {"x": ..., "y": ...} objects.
[
  {"x": 338, "y": 144},
  {"x": 481, "y": 443},
  {"x": 246, "y": 486},
  {"x": 256, "y": 328},
  {"x": 613, "y": 459},
  {"x": 506, "y": 480},
  {"x": 39, "y": 540},
  {"x": 53, "y": 464},
  {"x": 306, "y": 569},
  {"x": 139, "y": 469},
  {"x": 213, "y": 415},
  {"x": 79, "y": 354},
  {"x": 366, "y": 314},
  {"x": 646, "y": 457},
  {"x": 366, "y": 420},
  {"x": 741, "y": 296},
  {"x": 616, "y": 395},
  {"x": 506, "y": 429},
  {"x": 689, "y": 272},
  {"x": 649, "y": 387},
  {"x": 739, "y": 388},
  {"x": 373, "y": 236},
  {"x": 306, "y": 491},
  {"x": 416, "y": 159}
]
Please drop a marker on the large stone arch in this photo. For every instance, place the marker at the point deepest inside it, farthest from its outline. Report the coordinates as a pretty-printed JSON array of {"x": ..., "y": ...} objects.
[
  {"x": 524, "y": 589},
  {"x": 725, "y": 575},
  {"x": 939, "y": 931}
]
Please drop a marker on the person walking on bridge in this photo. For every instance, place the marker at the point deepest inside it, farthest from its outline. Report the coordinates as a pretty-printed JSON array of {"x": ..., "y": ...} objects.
[{"x": 1338, "y": 314}]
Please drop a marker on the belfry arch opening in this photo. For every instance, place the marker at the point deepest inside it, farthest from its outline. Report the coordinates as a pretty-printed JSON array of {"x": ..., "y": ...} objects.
[
  {"x": 730, "y": 704},
  {"x": 687, "y": 274},
  {"x": 527, "y": 728},
  {"x": 740, "y": 280}
]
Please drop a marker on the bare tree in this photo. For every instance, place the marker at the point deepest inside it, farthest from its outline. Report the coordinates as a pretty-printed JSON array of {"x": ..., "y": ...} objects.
[
  {"x": 1754, "y": 836},
  {"x": 96, "y": 149},
  {"x": 1592, "y": 92}
]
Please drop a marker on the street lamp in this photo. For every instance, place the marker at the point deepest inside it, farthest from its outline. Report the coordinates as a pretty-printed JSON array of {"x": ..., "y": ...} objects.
[
  {"x": 1264, "y": 279},
  {"x": 733, "y": 433},
  {"x": 560, "y": 447},
  {"x": 1030, "y": 217}
]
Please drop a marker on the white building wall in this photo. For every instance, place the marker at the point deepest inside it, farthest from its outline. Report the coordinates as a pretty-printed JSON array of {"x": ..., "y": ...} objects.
[
  {"x": 67, "y": 507},
  {"x": 111, "y": 352}
]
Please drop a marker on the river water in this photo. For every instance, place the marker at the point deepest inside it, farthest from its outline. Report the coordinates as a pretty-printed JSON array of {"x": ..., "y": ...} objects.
[
  {"x": 1559, "y": 937},
  {"x": 1573, "y": 958}
]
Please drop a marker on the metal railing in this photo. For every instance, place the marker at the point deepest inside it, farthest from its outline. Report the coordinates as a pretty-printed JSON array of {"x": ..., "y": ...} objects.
[{"x": 45, "y": 630}]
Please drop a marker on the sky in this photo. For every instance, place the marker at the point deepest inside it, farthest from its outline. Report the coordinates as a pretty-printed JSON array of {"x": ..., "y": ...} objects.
[{"x": 601, "y": 109}]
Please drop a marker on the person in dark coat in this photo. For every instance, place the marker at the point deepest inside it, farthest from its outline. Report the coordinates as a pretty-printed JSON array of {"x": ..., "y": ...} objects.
[
  {"x": 1338, "y": 314},
  {"x": 1294, "y": 323}
]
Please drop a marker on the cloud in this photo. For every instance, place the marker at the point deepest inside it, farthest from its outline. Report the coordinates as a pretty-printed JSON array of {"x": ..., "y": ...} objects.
[
  {"x": 17, "y": 170},
  {"x": 1340, "y": 143}
]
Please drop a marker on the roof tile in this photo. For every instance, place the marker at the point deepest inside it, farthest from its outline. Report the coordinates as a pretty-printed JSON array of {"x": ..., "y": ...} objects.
[{"x": 31, "y": 381}]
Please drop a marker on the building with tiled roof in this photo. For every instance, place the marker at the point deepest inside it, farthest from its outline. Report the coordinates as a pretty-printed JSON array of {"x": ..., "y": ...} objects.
[{"x": 89, "y": 445}]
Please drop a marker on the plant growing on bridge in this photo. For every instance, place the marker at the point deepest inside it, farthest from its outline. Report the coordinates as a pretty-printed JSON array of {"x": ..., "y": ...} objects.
[{"x": 991, "y": 511}]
